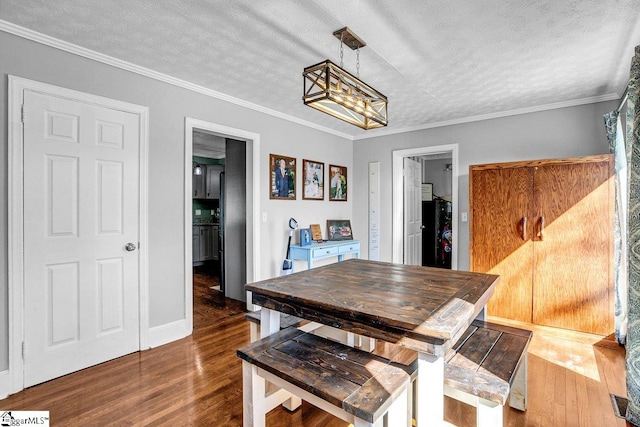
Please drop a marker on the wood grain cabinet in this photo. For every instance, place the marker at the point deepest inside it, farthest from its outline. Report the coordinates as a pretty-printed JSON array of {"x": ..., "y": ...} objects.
[{"x": 546, "y": 227}]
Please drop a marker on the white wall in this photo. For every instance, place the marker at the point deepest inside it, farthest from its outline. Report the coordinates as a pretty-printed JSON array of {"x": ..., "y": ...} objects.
[
  {"x": 560, "y": 133},
  {"x": 168, "y": 106}
]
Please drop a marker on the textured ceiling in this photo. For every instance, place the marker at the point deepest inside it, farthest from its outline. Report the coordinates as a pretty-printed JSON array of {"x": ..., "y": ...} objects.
[{"x": 435, "y": 61}]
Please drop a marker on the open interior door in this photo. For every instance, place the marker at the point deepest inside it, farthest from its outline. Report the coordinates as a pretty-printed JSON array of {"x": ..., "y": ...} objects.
[{"x": 412, "y": 212}]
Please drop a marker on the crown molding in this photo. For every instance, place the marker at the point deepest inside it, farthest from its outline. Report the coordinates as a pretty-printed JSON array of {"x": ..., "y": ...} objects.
[
  {"x": 536, "y": 109},
  {"x": 46, "y": 40}
]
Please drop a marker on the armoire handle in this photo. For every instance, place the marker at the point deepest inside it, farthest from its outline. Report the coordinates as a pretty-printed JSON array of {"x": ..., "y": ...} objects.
[
  {"x": 542, "y": 228},
  {"x": 524, "y": 228}
]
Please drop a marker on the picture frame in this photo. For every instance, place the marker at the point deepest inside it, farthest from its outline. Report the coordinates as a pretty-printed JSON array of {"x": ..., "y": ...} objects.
[
  {"x": 316, "y": 232},
  {"x": 282, "y": 177},
  {"x": 339, "y": 229},
  {"x": 427, "y": 192},
  {"x": 312, "y": 180},
  {"x": 337, "y": 183},
  {"x": 305, "y": 236}
]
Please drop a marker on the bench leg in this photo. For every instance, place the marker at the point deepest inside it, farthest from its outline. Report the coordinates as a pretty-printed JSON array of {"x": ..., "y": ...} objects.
[
  {"x": 366, "y": 344},
  {"x": 430, "y": 390},
  {"x": 518, "y": 393},
  {"x": 293, "y": 403},
  {"x": 253, "y": 390},
  {"x": 398, "y": 414},
  {"x": 488, "y": 415}
]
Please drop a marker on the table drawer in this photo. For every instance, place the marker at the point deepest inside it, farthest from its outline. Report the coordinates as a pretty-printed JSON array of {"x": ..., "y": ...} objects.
[
  {"x": 325, "y": 252},
  {"x": 347, "y": 249}
]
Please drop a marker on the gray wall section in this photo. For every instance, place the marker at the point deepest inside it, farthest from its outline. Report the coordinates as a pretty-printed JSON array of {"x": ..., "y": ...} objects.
[
  {"x": 560, "y": 133},
  {"x": 168, "y": 107},
  {"x": 433, "y": 171},
  {"x": 235, "y": 258}
]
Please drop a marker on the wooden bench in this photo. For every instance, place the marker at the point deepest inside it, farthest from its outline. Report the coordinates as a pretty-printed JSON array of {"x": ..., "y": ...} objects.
[
  {"x": 286, "y": 320},
  {"x": 486, "y": 366},
  {"x": 354, "y": 385}
]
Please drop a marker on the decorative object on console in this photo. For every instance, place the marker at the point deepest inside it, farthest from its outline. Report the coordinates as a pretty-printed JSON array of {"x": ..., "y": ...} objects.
[
  {"x": 312, "y": 180},
  {"x": 338, "y": 183},
  {"x": 305, "y": 236},
  {"x": 339, "y": 229},
  {"x": 316, "y": 232},
  {"x": 282, "y": 177},
  {"x": 334, "y": 91}
]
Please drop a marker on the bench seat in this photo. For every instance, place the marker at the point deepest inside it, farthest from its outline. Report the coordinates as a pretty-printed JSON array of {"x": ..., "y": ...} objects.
[
  {"x": 354, "y": 385},
  {"x": 487, "y": 366}
]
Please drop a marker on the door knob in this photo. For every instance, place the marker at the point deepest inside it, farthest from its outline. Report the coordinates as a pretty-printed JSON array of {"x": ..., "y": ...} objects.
[{"x": 130, "y": 247}]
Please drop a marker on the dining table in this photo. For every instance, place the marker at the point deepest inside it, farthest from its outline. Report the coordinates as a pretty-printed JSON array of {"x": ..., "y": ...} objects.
[{"x": 422, "y": 308}]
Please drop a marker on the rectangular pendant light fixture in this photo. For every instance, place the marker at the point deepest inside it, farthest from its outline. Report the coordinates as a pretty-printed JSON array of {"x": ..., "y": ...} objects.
[{"x": 332, "y": 90}]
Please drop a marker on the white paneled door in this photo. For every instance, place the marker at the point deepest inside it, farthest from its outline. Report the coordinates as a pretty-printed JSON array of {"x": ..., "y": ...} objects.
[
  {"x": 412, "y": 212},
  {"x": 81, "y": 234}
]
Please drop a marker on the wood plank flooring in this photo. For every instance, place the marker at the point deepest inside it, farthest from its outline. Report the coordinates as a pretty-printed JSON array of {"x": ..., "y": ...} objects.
[{"x": 197, "y": 381}]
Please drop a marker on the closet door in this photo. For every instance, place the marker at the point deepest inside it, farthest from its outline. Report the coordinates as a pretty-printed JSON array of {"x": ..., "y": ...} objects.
[
  {"x": 501, "y": 231},
  {"x": 573, "y": 278}
]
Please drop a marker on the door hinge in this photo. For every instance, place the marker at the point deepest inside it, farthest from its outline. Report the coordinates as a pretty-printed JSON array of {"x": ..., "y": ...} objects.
[
  {"x": 22, "y": 113},
  {"x": 23, "y": 350}
]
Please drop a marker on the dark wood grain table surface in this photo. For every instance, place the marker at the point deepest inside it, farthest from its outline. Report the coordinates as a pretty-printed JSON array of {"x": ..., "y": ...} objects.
[{"x": 425, "y": 309}]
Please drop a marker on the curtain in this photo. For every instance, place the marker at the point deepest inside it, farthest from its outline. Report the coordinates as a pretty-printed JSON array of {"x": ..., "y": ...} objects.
[
  {"x": 613, "y": 127},
  {"x": 633, "y": 151}
]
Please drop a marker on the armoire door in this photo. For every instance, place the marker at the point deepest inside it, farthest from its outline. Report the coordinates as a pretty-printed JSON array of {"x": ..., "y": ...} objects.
[
  {"x": 501, "y": 230},
  {"x": 573, "y": 251}
]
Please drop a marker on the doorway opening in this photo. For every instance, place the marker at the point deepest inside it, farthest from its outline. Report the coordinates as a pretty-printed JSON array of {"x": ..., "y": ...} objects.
[
  {"x": 221, "y": 205},
  {"x": 436, "y": 205},
  {"x": 208, "y": 215}
]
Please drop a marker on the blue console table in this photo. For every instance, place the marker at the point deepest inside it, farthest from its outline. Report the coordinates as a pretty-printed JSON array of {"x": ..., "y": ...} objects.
[{"x": 317, "y": 251}]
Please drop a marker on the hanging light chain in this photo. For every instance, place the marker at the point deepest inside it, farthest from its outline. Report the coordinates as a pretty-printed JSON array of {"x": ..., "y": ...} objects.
[
  {"x": 358, "y": 62},
  {"x": 341, "y": 49}
]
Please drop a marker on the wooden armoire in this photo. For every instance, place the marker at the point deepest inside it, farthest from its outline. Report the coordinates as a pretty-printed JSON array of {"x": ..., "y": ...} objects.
[{"x": 546, "y": 227}]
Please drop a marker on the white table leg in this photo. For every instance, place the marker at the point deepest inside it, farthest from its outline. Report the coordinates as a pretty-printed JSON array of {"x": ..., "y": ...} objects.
[
  {"x": 269, "y": 322},
  {"x": 430, "y": 394}
]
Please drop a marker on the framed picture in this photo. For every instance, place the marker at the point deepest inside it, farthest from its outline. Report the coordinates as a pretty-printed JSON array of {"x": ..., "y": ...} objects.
[
  {"x": 339, "y": 229},
  {"x": 282, "y": 177},
  {"x": 427, "y": 192},
  {"x": 316, "y": 233},
  {"x": 312, "y": 180},
  {"x": 338, "y": 183},
  {"x": 305, "y": 236}
]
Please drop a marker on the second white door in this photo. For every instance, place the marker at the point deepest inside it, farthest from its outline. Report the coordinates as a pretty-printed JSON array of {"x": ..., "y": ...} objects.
[{"x": 412, "y": 212}]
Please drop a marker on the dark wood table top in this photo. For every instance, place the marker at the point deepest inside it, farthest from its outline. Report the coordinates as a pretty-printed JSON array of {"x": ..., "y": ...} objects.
[{"x": 420, "y": 307}]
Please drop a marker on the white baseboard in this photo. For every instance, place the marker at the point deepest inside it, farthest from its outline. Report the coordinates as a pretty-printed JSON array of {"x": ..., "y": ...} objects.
[
  {"x": 165, "y": 334},
  {"x": 5, "y": 384}
]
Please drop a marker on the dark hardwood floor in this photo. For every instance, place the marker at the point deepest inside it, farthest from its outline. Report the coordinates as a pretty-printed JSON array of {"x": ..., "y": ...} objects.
[{"x": 197, "y": 381}]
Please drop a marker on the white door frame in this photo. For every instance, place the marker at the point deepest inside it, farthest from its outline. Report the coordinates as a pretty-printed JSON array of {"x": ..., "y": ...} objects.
[
  {"x": 17, "y": 86},
  {"x": 397, "y": 235},
  {"x": 253, "y": 204}
]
